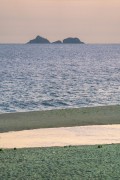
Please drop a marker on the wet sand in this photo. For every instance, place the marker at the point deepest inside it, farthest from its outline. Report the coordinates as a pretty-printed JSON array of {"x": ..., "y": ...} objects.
[
  {"x": 101, "y": 115},
  {"x": 47, "y": 137}
]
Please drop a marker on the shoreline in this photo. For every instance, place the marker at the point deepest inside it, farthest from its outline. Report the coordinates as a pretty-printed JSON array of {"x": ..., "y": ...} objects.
[
  {"x": 58, "y": 109},
  {"x": 100, "y": 115}
]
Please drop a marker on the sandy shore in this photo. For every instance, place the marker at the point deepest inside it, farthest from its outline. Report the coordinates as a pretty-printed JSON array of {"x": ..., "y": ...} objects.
[{"x": 80, "y": 135}]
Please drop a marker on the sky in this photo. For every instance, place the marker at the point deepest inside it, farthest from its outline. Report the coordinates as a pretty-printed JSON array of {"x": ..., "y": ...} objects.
[{"x": 93, "y": 21}]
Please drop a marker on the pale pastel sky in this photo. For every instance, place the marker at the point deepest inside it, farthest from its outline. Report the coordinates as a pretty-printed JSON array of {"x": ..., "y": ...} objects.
[{"x": 93, "y": 21}]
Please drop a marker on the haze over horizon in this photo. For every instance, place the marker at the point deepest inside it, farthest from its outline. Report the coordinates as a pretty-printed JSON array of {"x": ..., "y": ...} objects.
[{"x": 93, "y": 21}]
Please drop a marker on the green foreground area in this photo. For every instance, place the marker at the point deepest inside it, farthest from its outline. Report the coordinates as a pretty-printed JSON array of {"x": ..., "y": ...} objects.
[
  {"x": 60, "y": 118},
  {"x": 61, "y": 163}
]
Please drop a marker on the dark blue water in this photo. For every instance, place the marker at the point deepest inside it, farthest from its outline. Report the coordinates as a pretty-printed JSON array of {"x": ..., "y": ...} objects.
[{"x": 37, "y": 77}]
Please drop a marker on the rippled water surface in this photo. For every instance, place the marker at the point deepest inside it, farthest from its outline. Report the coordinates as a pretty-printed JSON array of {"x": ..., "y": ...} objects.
[{"x": 37, "y": 77}]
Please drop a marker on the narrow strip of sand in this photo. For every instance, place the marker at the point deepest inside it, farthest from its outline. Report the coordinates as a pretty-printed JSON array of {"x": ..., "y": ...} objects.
[{"x": 80, "y": 135}]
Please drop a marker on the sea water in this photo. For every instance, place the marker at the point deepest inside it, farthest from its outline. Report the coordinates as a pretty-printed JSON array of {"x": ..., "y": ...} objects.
[{"x": 38, "y": 77}]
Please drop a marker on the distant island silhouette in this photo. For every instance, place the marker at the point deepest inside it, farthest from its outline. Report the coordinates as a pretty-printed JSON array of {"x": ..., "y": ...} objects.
[
  {"x": 57, "y": 42},
  {"x": 42, "y": 40},
  {"x": 39, "y": 40}
]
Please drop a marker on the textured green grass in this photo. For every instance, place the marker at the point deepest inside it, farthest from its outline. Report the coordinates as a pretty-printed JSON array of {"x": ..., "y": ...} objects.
[
  {"x": 60, "y": 118},
  {"x": 61, "y": 163}
]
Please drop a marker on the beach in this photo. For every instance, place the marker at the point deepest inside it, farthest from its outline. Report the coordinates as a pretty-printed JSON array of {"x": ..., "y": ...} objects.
[
  {"x": 48, "y": 137},
  {"x": 30, "y": 144},
  {"x": 83, "y": 126}
]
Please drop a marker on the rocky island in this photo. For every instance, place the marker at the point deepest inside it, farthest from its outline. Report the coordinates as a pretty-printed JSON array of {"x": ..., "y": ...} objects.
[
  {"x": 42, "y": 40},
  {"x": 57, "y": 42},
  {"x": 39, "y": 40},
  {"x": 71, "y": 40}
]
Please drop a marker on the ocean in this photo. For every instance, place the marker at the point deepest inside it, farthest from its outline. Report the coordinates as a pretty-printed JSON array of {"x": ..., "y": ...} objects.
[{"x": 42, "y": 77}]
